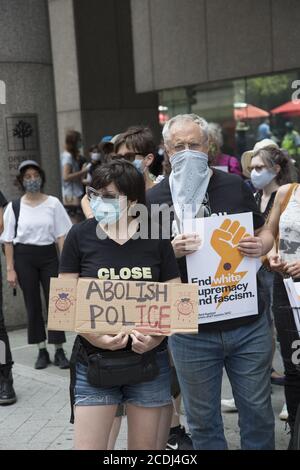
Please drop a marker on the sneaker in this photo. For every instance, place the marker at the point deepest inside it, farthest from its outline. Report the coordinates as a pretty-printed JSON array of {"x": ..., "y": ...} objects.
[
  {"x": 283, "y": 415},
  {"x": 229, "y": 405},
  {"x": 179, "y": 439},
  {"x": 7, "y": 393},
  {"x": 60, "y": 359},
  {"x": 43, "y": 359}
]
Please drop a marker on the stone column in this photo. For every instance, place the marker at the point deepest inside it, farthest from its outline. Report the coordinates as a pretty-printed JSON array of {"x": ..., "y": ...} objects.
[{"x": 28, "y": 127}]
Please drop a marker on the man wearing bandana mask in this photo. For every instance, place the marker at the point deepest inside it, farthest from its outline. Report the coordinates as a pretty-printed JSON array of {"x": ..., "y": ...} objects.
[{"x": 242, "y": 345}]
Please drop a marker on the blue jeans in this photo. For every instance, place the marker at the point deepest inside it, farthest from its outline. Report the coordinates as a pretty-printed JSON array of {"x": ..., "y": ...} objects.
[
  {"x": 152, "y": 394},
  {"x": 246, "y": 353},
  {"x": 265, "y": 291}
]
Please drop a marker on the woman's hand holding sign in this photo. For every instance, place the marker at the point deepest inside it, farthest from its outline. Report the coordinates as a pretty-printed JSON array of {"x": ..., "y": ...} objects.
[
  {"x": 276, "y": 263},
  {"x": 142, "y": 343},
  {"x": 292, "y": 269},
  {"x": 111, "y": 342}
]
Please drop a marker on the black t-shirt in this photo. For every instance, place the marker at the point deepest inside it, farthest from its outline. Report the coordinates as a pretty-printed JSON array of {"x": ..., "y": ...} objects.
[
  {"x": 227, "y": 194},
  {"x": 86, "y": 254},
  {"x": 267, "y": 211},
  {"x": 3, "y": 201}
]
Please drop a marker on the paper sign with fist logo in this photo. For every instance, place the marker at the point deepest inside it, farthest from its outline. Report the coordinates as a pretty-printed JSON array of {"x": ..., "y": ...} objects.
[{"x": 226, "y": 279}]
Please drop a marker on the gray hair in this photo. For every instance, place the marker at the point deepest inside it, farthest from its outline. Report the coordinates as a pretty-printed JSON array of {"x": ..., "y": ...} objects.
[
  {"x": 185, "y": 118},
  {"x": 215, "y": 133}
]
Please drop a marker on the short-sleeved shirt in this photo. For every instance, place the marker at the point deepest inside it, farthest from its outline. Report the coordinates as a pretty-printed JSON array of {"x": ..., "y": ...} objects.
[
  {"x": 92, "y": 257},
  {"x": 3, "y": 201},
  {"x": 227, "y": 194},
  {"x": 71, "y": 188},
  {"x": 40, "y": 225}
]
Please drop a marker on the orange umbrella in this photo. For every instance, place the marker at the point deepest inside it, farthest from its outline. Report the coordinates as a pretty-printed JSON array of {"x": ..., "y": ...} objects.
[
  {"x": 291, "y": 107},
  {"x": 248, "y": 111}
]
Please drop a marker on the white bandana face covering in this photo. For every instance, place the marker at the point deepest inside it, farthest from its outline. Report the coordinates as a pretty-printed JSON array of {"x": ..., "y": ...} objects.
[{"x": 188, "y": 182}]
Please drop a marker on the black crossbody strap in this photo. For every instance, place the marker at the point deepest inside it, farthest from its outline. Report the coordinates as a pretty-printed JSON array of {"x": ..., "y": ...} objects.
[{"x": 16, "y": 205}]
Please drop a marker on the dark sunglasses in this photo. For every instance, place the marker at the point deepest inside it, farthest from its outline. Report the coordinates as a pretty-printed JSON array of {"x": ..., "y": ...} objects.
[{"x": 129, "y": 156}]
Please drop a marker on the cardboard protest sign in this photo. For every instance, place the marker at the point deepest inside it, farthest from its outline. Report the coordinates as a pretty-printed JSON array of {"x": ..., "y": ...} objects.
[
  {"x": 226, "y": 279},
  {"x": 109, "y": 307},
  {"x": 293, "y": 292}
]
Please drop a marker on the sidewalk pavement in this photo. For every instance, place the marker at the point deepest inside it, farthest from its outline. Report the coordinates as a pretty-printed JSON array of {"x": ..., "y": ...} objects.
[{"x": 40, "y": 418}]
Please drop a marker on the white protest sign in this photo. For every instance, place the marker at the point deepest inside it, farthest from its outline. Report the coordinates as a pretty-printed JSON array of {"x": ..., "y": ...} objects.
[{"x": 226, "y": 279}]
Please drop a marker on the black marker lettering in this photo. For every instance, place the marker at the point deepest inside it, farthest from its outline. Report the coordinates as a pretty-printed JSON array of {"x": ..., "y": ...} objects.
[
  {"x": 94, "y": 315},
  {"x": 115, "y": 320},
  {"x": 93, "y": 287},
  {"x": 124, "y": 321}
]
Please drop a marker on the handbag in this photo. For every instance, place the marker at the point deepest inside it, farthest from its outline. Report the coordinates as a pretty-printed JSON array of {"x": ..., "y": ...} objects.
[{"x": 109, "y": 369}]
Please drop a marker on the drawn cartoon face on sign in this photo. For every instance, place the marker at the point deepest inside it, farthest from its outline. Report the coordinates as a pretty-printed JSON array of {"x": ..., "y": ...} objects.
[
  {"x": 63, "y": 302},
  {"x": 184, "y": 307}
]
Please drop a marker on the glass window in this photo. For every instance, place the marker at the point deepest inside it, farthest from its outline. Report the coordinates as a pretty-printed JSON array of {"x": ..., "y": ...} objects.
[{"x": 233, "y": 103}]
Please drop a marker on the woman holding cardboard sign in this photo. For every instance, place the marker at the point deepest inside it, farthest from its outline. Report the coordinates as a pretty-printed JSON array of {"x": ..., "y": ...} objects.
[{"x": 104, "y": 246}]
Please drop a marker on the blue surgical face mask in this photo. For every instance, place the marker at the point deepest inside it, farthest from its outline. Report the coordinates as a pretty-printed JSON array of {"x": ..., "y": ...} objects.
[
  {"x": 32, "y": 185},
  {"x": 139, "y": 165},
  {"x": 106, "y": 211},
  {"x": 261, "y": 179},
  {"x": 95, "y": 157}
]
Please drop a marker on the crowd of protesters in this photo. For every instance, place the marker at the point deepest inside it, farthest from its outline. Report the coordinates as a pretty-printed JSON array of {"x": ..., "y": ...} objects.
[{"x": 44, "y": 238}]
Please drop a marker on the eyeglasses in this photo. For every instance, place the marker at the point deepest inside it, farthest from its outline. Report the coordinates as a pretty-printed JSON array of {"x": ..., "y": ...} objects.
[
  {"x": 258, "y": 168},
  {"x": 190, "y": 145},
  {"x": 92, "y": 194}
]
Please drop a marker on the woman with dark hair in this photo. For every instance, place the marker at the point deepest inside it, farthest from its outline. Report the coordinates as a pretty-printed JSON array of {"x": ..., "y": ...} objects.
[
  {"x": 270, "y": 168},
  {"x": 101, "y": 247},
  {"x": 33, "y": 226},
  {"x": 96, "y": 159},
  {"x": 284, "y": 260},
  {"x": 137, "y": 144},
  {"x": 73, "y": 170}
]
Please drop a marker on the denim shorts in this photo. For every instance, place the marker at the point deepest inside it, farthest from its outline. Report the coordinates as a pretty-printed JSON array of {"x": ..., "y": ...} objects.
[{"x": 155, "y": 393}]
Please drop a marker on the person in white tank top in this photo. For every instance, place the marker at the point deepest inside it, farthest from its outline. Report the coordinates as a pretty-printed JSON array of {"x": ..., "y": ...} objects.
[{"x": 285, "y": 261}]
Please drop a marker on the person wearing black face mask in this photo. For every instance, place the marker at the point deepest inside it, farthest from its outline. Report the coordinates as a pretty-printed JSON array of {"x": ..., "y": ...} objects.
[{"x": 33, "y": 225}]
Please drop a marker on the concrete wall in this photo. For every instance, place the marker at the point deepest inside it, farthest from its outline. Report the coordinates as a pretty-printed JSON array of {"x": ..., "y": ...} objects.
[
  {"x": 26, "y": 68},
  {"x": 109, "y": 102},
  {"x": 64, "y": 53},
  {"x": 184, "y": 42}
]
